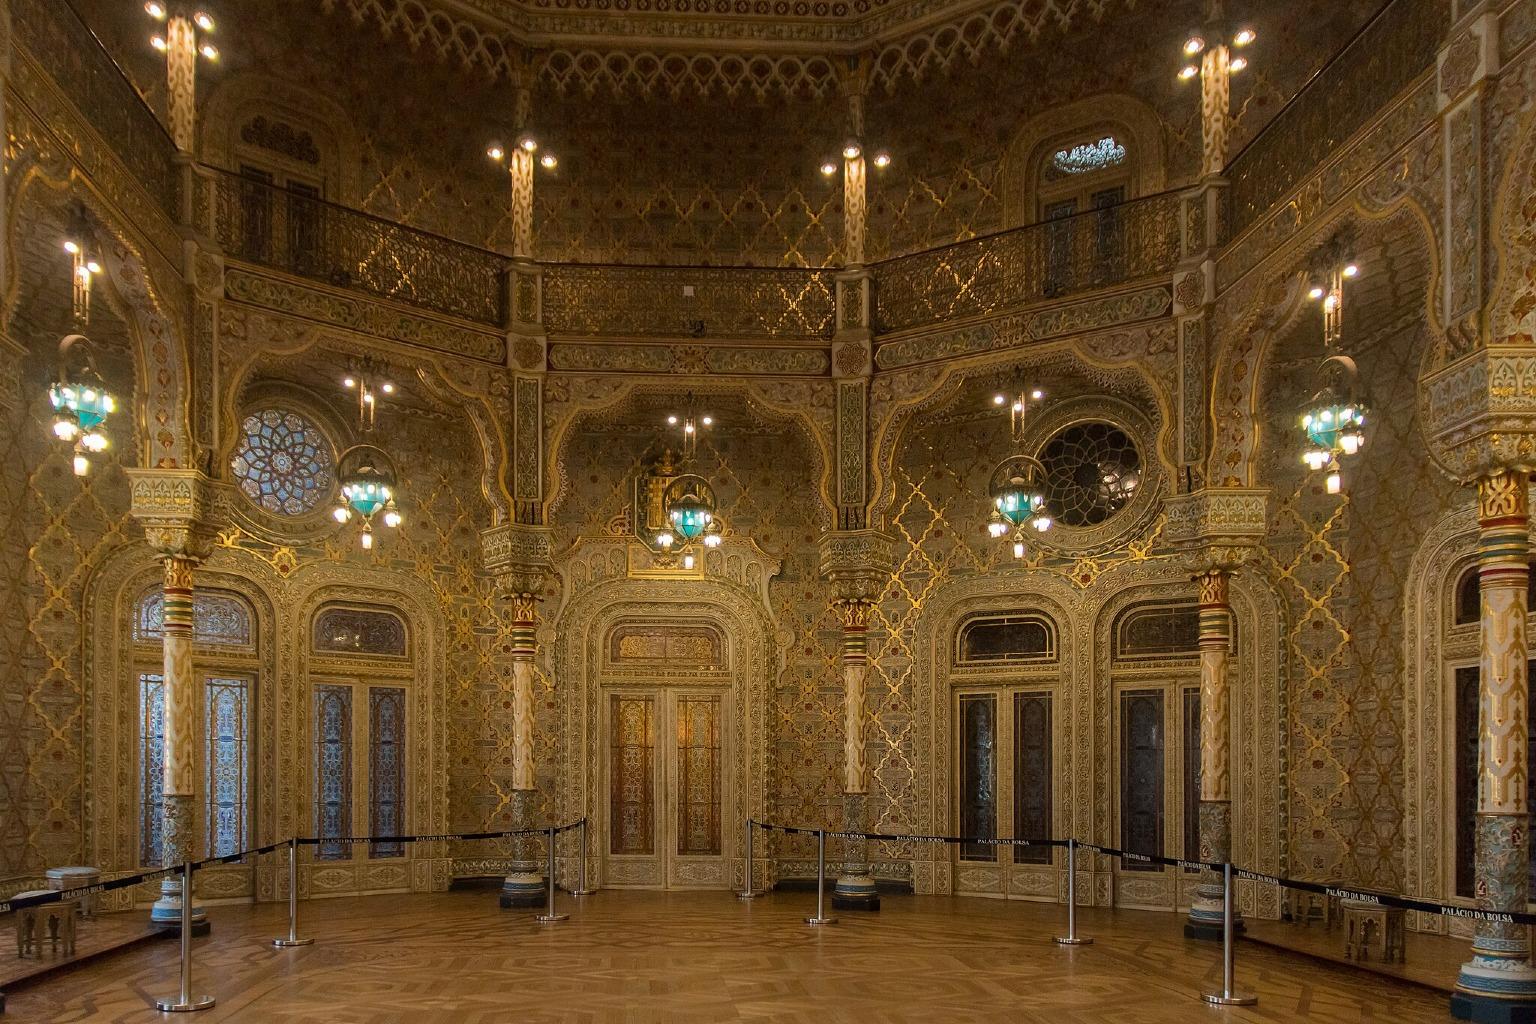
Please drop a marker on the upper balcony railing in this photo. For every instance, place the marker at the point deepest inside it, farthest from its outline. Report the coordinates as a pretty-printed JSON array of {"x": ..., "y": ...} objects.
[
  {"x": 91, "y": 80},
  {"x": 1383, "y": 58},
  {"x": 304, "y": 235},
  {"x": 1043, "y": 261}
]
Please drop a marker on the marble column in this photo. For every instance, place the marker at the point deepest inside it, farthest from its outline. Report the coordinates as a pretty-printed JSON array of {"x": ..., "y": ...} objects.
[
  {"x": 855, "y": 887},
  {"x": 180, "y": 722},
  {"x": 1499, "y": 983},
  {"x": 1205, "y": 912},
  {"x": 524, "y": 887}
]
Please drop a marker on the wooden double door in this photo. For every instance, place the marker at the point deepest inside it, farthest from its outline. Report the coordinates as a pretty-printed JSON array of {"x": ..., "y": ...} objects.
[{"x": 665, "y": 751}]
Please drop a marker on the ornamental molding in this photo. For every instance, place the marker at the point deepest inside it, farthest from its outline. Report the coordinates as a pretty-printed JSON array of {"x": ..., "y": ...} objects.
[
  {"x": 693, "y": 359},
  {"x": 518, "y": 556},
  {"x": 1480, "y": 412},
  {"x": 857, "y": 562},
  {"x": 178, "y": 509}
]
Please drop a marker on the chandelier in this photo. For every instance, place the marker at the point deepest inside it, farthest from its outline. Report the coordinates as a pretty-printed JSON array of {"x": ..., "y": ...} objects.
[
  {"x": 1017, "y": 483},
  {"x": 80, "y": 399},
  {"x": 688, "y": 503},
  {"x": 368, "y": 485},
  {"x": 1333, "y": 419}
]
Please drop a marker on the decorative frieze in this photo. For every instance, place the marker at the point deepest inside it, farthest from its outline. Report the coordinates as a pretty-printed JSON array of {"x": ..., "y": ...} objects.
[{"x": 1480, "y": 411}]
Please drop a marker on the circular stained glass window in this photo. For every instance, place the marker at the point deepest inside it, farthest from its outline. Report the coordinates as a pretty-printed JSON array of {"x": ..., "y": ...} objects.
[
  {"x": 1092, "y": 471},
  {"x": 284, "y": 462}
]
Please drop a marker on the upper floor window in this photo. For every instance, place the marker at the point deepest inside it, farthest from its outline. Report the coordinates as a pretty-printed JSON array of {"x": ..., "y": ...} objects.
[
  {"x": 1157, "y": 631},
  {"x": 1467, "y": 609},
  {"x": 1006, "y": 638},
  {"x": 284, "y": 462},
  {"x": 344, "y": 630},
  {"x": 218, "y": 618}
]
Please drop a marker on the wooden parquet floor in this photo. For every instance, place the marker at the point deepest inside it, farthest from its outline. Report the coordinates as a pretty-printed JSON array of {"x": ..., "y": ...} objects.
[{"x": 697, "y": 957}]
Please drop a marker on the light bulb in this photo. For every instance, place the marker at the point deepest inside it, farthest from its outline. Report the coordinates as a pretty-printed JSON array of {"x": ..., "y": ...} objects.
[
  {"x": 664, "y": 539},
  {"x": 712, "y": 540},
  {"x": 159, "y": 43},
  {"x": 998, "y": 399},
  {"x": 1334, "y": 482},
  {"x": 1350, "y": 443},
  {"x": 996, "y": 529},
  {"x": 1018, "y": 549},
  {"x": 709, "y": 421},
  {"x": 1188, "y": 71},
  {"x": 549, "y": 161},
  {"x": 155, "y": 10},
  {"x": 209, "y": 51},
  {"x": 495, "y": 152},
  {"x": 94, "y": 442},
  {"x": 1238, "y": 63},
  {"x": 1351, "y": 270},
  {"x": 1043, "y": 523},
  {"x": 392, "y": 519},
  {"x": 829, "y": 168},
  {"x": 1244, "y": 37},
  {"x": 341, "y": 513},
  {"x": 882, "y": 159},
  {"x": 1018, "y": 406},
  {"x": 64, "y": 429},
  {"x": 82, "y": 465},
  {"x": 1193, "y": 45},
  {"x": 851, "y": 150},
  {"x": 687, "y": 428},
  {"x": 203, "y": 21},
  {"x": 1316, "y": 292},
  {"x": 687, "y": 561},
  {"x": 348, "y": 382},
  {"x": 71, "y": 246},
  {"x": 92, "y": 267},
  {"x": 671, "y": 421},
  {"x": 1037, "y": 394},
  {"x": 528, "y": 143},
  {"x": 367, "y": 541},
  {"x": 388, "y": 389}
]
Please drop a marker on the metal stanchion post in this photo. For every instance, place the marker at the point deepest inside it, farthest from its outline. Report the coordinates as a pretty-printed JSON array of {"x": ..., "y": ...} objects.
[
  {"x": 1072, "y": 938},
  {"x": 187, "y": 1001},
  {"x": 293, "y": 900},
  {"x": 821, "y": 881},
  {"x": 1228, "y": 996},
  {"x": 549, "y": 916},
  {"x": 581, "y": 870},
  {"x": 747, "y": 891}
]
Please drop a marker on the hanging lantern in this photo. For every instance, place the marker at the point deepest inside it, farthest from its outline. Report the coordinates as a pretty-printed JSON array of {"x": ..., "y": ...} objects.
[
  {"x": 1018, "y": 501},
  {"x": 81, "y": 402},
  {"x": 368, "y": 487},
  {"x": 690, "y": 505},
  {"x": 1333, "y": 420}
]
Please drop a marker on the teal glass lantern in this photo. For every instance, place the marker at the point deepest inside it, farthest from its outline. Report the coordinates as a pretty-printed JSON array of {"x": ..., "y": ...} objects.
[
  {"x": 81, "y": 402},
  {"x": 1332, "y": 425},
  {"x": 368, "y": 485},
  {"x": 690, "y": 505}
]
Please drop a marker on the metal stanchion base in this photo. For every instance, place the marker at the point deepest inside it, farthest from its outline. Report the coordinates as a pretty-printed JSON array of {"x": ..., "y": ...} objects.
[
  {"x": 748, "y": 894},
  {"x": 821, "y": 920},
  {"x": 171, "y": 1006},
  {"x": 552, "y": 918},
  {"x": 581, "y": 892},
  {"x": 1235, "y": 999},
  {"x": 285, "y": 943},
  {"x": 1068, "y": 940}
]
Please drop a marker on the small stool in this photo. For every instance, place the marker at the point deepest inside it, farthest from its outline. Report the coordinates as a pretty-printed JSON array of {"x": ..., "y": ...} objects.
[
  {"x": 1307, "y": 907},
  {"x": 60, "y": 879},
  {"x": 1372, "y": 926},
  {"x": 58, "y": 918}
]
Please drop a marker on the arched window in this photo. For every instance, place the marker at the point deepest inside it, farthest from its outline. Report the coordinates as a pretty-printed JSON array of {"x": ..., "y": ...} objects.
[
  {"x": 223, "y": 622},
  {"x": 1157, "y": 631},
  {"x": 344, "y": 630},
  {"x": 284, "y": 463},
  {"x": 1006, "y": 638},
  {"x": 1467, "y": 609},
  {"x": 1080, "y": 184}
]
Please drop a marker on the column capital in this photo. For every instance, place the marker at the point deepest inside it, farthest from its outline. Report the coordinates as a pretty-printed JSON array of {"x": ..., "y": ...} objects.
[
  {"x": 857, "y": 562},
  {"x": 178, "y": 508},
  {"x": 1480, "y": 412},
  {"x": 1217, "y": 528},
  {"x": 519, "y": 556}
]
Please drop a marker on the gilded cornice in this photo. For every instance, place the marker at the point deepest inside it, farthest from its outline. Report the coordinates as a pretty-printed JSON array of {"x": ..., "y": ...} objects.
[{"x": 178, "y": 509}]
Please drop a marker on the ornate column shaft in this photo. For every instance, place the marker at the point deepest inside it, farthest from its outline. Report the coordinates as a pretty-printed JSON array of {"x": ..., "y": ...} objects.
[
  {"x": 1215, "y": 108},
  {"x": 855, "y": 209},
  {"x": 1499, "y": 983},
  {"x": 181, "y": 79},
  {"x": 1205, "y": 912},
  {"x": 520, "y": 171}
]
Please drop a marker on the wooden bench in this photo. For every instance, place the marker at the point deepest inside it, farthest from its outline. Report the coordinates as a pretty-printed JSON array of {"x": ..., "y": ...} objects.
[{"x": 57, "y": 918}]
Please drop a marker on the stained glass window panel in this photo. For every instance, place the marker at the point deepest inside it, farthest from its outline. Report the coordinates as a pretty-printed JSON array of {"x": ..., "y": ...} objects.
[
  {"x": 1032, "y": 775},
  {"x": 1092, "y": 471},
  {"x": 284, "y": 462},
  {"x": 151, "y": 768},
  {"x": 631, "y": 774},
  {"x": 1007, "y": 638},
  {"x": 698, "y": 768},
  {"x": 228, "y": 762},
  {"x": 386, "y": 768},
  {"x": 1158, "y": 631},
  {"x": 1141, "y": 776},
  {"x": 333, "y": 769},
  {"x": 219, "y": 619},
  {"x": 978, "y": 773},
  {"x": 359, "y": 631}
]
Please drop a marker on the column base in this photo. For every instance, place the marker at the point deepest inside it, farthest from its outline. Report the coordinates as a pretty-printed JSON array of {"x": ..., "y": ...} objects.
[
  {"x": 855, "y": 892},
  {"x": 165, "y": 915},
  {"x": 523, "y": 889},
  {"x": 1491, "y": 1010}
]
